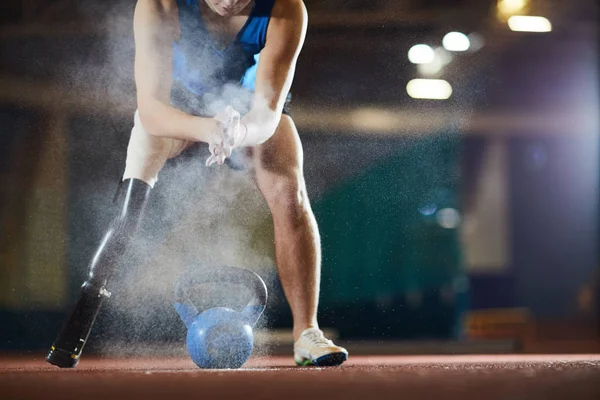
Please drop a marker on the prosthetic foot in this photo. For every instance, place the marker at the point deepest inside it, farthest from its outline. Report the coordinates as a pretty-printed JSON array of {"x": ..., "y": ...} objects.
[{"x": 67, "y": 348}]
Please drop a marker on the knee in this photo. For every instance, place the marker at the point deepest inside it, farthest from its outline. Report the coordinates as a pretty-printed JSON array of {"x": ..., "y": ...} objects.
[{"x": 287, "y": 198}]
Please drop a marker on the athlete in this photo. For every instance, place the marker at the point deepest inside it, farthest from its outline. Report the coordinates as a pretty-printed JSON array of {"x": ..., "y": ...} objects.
[{"x": 217, "y": 72}]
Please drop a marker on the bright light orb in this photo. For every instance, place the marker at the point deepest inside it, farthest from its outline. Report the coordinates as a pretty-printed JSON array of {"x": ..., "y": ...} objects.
[
  {"x": 421, "y": 54},
  {"x": 456, "y": 41},
  {"x": 434, "y": 89},
  {"x": 527, "y": 23},
  {"x": 511, "y": 7}
]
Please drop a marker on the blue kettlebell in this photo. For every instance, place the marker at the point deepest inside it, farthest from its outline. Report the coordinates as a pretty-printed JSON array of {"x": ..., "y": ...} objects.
[{"x": 220, "y": 337}]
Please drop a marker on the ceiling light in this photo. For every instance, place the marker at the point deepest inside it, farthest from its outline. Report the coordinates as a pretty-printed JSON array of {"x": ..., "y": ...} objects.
[
  {"x": 526, "y": 23},
  {"x": 435, "y": 89},
  {"x": 511, "y": 7},
  {"x": 456, "y": 41},
  {"x": 420, "y": 54}
]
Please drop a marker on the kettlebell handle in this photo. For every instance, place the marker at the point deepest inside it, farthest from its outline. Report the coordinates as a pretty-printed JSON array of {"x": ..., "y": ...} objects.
[{"x": 232, "y": 275}]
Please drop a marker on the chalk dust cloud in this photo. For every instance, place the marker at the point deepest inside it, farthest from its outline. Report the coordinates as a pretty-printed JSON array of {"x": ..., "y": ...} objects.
[{"x": 197, "y": 217}]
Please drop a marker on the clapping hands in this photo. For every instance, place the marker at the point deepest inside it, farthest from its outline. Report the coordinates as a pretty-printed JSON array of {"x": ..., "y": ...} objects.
[{"x": 230, "y": 134}]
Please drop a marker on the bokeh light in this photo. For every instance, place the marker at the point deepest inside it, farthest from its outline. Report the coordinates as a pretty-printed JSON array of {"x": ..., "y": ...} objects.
[
  {"x": 434, "y": 89},
  {"x": 477, "y": 41},
  {"x": 421, "y": 54},
  {"x": 430, "y": 69},
  {"x": 526, "y": 23},
  {"x": 511, "y": 7},
  {"x": 442, "y": 57},
  {"x": 456, "y": 41},
  {"x": 428, "y": 209},
  {"x": 448, "y": 218}
]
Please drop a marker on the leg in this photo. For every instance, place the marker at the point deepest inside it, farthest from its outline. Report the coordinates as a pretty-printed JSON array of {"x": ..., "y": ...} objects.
[
  {"x": 280, "y": 178},
  {"x": 67, "y": 348},
  {"x": 146, "y": 155},
  {"x": 297, "y": 244}
]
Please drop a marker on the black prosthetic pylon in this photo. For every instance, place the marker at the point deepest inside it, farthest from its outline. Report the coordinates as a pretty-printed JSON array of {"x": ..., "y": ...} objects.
[{"x": 67, "y": 348}]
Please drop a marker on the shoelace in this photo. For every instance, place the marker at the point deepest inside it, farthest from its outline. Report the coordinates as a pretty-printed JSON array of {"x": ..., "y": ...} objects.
[{"x": 317, "y": 339}]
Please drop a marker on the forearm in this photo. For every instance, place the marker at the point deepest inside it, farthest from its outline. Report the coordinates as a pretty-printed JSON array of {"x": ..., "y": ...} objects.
[{"x": 164, "y": 120}]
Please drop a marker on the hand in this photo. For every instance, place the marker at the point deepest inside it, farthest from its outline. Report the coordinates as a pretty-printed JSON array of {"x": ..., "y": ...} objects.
[{"x": 231, "y": 133}]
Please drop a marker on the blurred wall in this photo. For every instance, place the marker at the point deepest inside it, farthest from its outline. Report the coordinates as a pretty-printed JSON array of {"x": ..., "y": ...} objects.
[{"x": 524, "y": 118}]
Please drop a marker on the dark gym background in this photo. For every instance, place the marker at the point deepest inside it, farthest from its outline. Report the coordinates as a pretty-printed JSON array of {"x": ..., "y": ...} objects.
[{"x": 471, "y": 221}]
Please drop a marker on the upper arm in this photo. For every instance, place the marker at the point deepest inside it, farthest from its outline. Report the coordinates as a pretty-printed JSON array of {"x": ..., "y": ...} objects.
[
  {"x": 277, "y": 63},
  {"x": 155, "y": 26}
]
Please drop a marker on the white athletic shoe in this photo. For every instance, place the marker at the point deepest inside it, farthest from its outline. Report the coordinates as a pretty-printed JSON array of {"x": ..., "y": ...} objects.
[{"x": 314, "y": 349}]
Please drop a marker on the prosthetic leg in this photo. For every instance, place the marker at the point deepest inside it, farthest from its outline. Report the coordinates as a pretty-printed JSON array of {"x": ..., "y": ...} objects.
[{"x": 66, "y": 350}]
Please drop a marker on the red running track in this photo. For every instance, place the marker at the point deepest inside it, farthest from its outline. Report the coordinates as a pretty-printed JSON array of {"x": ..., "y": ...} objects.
[{"x": 379, "y": 377}]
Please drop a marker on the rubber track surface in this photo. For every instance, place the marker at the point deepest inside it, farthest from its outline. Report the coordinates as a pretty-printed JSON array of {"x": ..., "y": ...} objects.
[{"x": 362, "y": 377}]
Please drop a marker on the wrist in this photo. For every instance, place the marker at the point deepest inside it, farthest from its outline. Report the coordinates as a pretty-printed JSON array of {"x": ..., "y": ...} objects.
[
  {"x": 205, "y": 129},
  {"x": 243, "y": 134}
]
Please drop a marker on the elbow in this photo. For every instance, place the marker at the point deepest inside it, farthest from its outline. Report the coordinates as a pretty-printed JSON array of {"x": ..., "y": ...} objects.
[
  {"x": 265, "y": 134},
  {"x": 270, "y": 126},
  {"x": 256, "y": 134},
  {"x": 148, "y": 121},
  {"x": 258, "y": 131},
  {"x": 148, "y": 118}
]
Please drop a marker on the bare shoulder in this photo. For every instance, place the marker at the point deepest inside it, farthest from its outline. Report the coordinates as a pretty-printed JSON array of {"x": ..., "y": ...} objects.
[
  {"x": 161, "y": 15},
  {"x": 157, "y": 8},
  {"x": 288, "y": 24},
  {"x": 158, "y": 5},
  {"x": 290, "y": 11}
]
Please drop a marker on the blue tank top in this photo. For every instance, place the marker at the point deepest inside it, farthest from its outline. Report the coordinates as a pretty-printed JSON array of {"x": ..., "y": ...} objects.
[{"x": 201, "y": 70}]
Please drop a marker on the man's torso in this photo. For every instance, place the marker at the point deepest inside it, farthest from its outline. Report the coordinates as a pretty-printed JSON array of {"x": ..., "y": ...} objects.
[{"x": 215, "y": 64}]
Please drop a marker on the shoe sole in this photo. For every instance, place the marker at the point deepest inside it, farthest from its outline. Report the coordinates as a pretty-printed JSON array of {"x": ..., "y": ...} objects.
[{"x": 328, "y": 360}]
